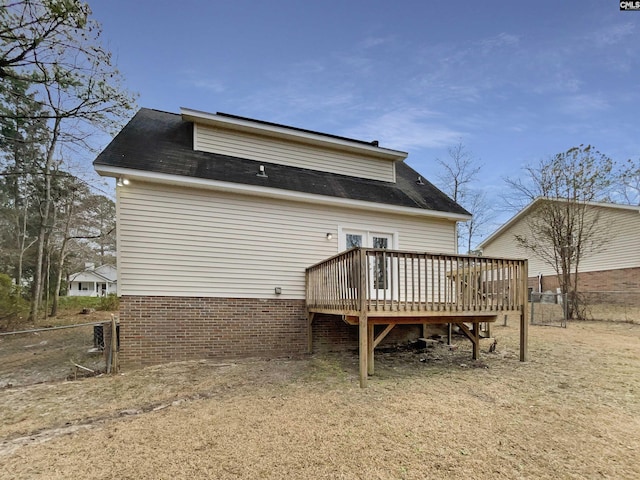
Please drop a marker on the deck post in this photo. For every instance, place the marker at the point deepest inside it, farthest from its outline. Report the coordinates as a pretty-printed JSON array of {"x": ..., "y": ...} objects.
[
  {"x": 476, "y": 340},
  {"x": 363, "y": 320},
  {"x": 310, "y": 317},
  {"x": 364, "y": 348},
  {"x": 524, "y": 320},
  {"x": 371, "y": 346}
]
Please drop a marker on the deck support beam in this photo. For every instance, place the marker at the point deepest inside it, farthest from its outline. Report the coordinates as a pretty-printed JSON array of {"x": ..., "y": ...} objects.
[
  {"x": 370, "y": 346},
  {"x": 472, "y": 334},
  {"x": 373, "y": 342},
  {"x": 363, "y": 329},
  {"x": 310, "y": 317},
  {"x": 363, "y": 322},
  {"x": 524, "y": 319},
  {"x": 383, "y": 334}
]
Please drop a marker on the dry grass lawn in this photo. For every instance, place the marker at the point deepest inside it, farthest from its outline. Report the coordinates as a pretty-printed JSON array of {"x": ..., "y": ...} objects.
[{"x": 572, "y": 412}]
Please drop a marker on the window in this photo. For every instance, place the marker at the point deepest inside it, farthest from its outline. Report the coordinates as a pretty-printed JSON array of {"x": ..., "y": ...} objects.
[
  {"x": 379, "y": 263},
  {"x": 351, "y": 238}
]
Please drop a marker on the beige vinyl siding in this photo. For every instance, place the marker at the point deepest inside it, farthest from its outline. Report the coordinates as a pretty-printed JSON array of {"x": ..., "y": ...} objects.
[
  {"x": 621, "y": 248},
  {"x": 273, "y": 150},
  {"x": 179, "y": 241},
  {"x": 505, "y": 246},
  {"x": 621, "y": 231}
]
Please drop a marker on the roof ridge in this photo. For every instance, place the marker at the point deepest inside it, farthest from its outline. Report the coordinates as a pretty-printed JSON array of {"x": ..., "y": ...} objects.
[{"x": 373, "y": 143}]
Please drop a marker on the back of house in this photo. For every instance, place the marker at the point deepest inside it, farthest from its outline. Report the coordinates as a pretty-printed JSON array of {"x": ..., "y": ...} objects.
[{"x": 219, "y": 216}]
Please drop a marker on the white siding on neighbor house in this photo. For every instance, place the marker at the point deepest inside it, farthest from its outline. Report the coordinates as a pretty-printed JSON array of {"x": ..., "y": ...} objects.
[
  {"x": 190, "y": 242},
  {"x": 505, "y": 246},
  {"x": 621, "y": 247},
  {"x": 295, "y": 154}
]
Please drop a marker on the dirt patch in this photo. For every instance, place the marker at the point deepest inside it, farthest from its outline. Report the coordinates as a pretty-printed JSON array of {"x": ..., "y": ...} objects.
[{"x": 572, "y": 411}]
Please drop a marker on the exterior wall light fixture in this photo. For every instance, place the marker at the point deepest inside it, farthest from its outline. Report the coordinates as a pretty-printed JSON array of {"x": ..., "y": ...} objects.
[
  {"x": 329, "y": 236},
  {"x": 122, "y": 182}
]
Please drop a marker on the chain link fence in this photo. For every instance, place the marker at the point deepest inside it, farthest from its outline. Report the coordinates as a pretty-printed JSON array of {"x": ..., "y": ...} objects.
[
  {"x": 54, "y": 353},
  {"x": 611, "y": 306},
  {"x": 550, "y": 308}
]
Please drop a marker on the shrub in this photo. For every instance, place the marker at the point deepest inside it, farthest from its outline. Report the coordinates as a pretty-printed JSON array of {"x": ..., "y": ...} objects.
[
  {"x": 12, "y": 306},
  {"x": 78, "y": 303},
  {"x": 109, "y": 303}
]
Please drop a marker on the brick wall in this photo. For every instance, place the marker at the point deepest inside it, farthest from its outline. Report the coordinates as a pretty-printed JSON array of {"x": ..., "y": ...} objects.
[
  {"x": 163, "y": 329},
  {"x": 620, "y": 280},
  {"x": 330, "y": 333}
]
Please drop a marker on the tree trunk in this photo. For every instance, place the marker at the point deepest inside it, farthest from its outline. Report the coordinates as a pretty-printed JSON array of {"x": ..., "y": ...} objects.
[
  {"x": 63, "y": 255},
  {"x": 44, "y": 226},
  {"x": 56, "y": 293}
]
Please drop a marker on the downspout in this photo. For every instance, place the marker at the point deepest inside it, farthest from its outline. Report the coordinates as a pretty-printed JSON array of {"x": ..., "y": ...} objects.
[{"x": 540, "y": 283}]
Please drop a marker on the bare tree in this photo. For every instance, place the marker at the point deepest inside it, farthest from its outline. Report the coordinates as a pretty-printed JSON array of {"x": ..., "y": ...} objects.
[
  {"x": 458, "y": 174},
  {"x": 482, "y": 214},
  {"x": 55, "y": 45},
  {"x": 563, "y": 228},
  {"x": 629, "y": 184}
]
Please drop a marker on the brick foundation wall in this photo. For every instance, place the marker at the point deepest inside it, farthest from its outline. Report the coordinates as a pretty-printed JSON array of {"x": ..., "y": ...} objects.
[
  {"x": 330, "y": 333},
  {"x": 620, "y": 280},
  {"x": 164, "y": 329}
]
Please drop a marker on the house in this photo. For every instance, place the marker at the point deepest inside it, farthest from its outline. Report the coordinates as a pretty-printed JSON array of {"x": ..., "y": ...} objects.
[
  {"x": 614, "y": 266},
  {"x": 220, "y": 217},
  {"x": 93, "y": 281}
]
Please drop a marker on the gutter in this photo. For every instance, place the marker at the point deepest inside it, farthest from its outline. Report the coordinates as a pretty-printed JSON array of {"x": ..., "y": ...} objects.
[{"x": 258, "y": 191}]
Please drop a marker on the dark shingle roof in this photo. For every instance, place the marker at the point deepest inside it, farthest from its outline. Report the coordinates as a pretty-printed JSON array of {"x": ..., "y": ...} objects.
[{"x": 162, "y": 142}]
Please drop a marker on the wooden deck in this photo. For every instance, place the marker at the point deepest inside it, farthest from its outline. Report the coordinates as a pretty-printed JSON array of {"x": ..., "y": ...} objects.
[{"x": 369, "y": 287}]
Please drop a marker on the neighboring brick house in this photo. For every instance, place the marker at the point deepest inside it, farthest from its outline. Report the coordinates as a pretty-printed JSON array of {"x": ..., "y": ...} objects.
[
  {"x": 218, "y": 217},
  {"x": 613, "y": 267}
]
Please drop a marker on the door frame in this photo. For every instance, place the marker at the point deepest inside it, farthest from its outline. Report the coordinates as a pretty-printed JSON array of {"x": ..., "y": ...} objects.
[{"x": 368, "y": 234}]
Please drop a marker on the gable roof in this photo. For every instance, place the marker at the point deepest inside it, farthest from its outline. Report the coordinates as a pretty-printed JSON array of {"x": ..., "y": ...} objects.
[
  {"x": 522, "y": 213},
  {"x": 156, "y": 142},
  {"x": 107, "y": 271},
  {"x": 89, "y": 274}
]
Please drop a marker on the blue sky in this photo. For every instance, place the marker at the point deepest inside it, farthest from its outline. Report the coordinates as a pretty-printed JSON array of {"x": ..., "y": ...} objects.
[{"x": 514, "y": 81}]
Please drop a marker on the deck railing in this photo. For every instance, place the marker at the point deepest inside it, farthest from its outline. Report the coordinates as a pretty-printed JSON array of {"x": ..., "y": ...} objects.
[{"x": 379, "y": 280}]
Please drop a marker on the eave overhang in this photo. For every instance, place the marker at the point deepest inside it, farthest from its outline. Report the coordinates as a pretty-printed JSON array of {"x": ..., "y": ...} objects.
[{"x": 177, "y": 180}]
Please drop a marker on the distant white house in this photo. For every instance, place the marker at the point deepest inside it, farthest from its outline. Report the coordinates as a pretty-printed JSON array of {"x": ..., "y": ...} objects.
[{"x": 93, "y": 281}]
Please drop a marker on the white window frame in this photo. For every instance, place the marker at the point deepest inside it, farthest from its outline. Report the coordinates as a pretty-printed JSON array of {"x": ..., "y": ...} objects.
[
  {"x": 367, "y": 242},
  {"x": 367, "y": 236}
]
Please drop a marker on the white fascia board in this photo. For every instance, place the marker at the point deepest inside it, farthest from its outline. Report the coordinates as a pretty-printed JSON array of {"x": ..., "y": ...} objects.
[
  {"x": 204, "y": 118},
  {"x": 617, "y": 206},
  {"x": 89, "y": 274},
  {"x": 504, "y": 226},
  {"x": 255, "y": 190}
]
